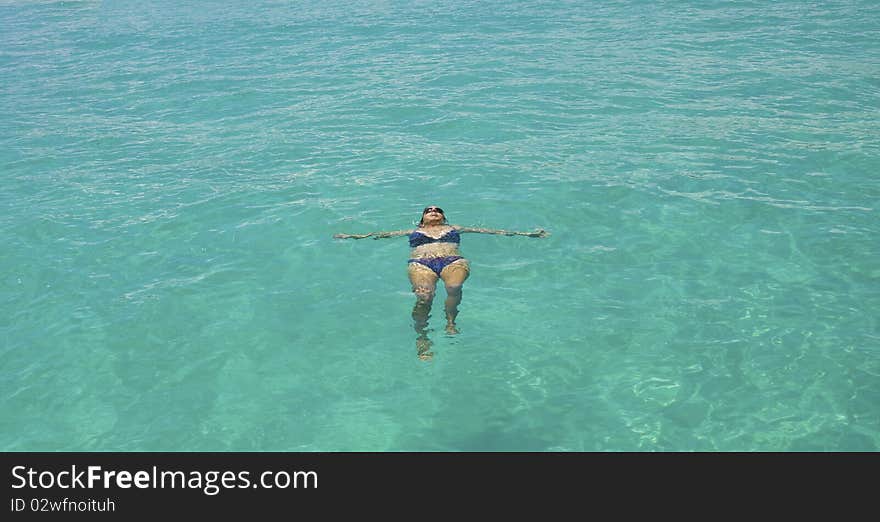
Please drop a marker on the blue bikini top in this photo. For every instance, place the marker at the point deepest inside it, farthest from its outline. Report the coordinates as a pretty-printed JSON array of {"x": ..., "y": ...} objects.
[{"x": 420, "y": 238}]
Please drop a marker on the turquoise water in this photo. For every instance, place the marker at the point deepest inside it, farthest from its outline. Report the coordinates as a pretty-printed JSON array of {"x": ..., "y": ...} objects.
[{"x": 174, "y": 172}]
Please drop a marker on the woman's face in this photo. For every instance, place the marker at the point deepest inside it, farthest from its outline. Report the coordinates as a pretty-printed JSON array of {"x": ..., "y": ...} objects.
[{"x": 432, "y": 216}]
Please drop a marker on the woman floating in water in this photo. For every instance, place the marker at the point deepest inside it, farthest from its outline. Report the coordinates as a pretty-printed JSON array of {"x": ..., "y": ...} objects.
[{"x": 434, "y": 256}]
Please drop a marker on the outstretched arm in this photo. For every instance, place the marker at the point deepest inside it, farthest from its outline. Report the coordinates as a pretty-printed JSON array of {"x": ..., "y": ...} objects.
[
  {"x": 537, "y": 233},
  {"x": 374, "y": 235}
]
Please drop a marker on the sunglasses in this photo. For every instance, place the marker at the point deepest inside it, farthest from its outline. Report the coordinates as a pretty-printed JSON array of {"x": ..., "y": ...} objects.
[{"x": 433, "y": 209}]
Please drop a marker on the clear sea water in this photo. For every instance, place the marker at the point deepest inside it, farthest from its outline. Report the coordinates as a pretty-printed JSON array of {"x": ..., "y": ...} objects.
[{"x": 173, "y": 173}]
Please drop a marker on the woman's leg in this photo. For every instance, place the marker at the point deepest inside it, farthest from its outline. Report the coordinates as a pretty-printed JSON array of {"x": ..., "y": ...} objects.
[
  {"x": 454, "y": 276},
  {"x": 424, "y": 284}
]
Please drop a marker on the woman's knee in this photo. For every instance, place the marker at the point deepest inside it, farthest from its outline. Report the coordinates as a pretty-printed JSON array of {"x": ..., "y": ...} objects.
[
  {"x": 424, "y": 294},
  {"x": 453, "y": 290}
]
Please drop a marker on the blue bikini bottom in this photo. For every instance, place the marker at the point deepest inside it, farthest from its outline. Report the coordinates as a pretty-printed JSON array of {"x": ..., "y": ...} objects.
[{"x": 437, "y": 264}]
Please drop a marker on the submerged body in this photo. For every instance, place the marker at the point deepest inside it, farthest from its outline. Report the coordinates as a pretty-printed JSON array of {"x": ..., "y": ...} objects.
[{"x": 434, "y": 255}]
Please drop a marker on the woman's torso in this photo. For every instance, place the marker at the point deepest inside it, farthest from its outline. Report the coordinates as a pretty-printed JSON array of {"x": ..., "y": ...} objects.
[{"x": 434, "y": 242}]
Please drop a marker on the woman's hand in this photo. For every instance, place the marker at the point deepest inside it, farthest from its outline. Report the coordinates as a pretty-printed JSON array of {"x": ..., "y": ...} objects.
[
  {"x": 351, "y": 236},
  {"x": 538, "y": 233}
]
